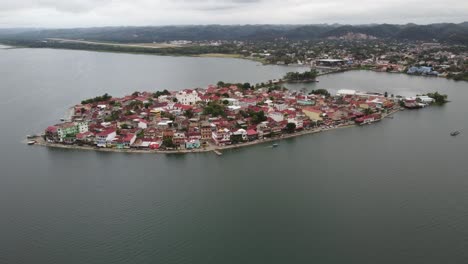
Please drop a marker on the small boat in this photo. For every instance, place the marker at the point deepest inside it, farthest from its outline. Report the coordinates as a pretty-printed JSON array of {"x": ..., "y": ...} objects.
[
  {"x": 455, "y": 133},
  {"x": 275, "y": 145},
  {"x": 31, "y": 142}
]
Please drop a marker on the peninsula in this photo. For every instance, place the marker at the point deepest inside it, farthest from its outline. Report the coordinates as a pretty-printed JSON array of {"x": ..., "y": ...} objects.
[{"x": 218, "y": 117}]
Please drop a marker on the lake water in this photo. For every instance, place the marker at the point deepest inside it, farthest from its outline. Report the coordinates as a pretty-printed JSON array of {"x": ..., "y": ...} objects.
[{"x": 393, "y": 192}]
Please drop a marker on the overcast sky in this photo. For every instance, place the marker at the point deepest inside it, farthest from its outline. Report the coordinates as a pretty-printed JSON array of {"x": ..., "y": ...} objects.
[{"x": 86, "y": 13}]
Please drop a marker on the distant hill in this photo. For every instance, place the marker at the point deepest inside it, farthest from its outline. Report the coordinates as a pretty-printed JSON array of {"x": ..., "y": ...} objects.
[{"x": 444, "y": 32}]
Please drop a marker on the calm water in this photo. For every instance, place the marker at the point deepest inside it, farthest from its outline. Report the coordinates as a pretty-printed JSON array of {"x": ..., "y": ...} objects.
[{"x": 394, "y": 192}]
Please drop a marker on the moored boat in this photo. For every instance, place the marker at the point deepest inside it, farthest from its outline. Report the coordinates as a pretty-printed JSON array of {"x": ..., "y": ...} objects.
[{"x": 31, "y": 142}]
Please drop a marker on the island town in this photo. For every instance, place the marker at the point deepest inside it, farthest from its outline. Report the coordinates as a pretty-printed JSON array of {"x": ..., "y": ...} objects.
[{"x": 218, "y": 117}]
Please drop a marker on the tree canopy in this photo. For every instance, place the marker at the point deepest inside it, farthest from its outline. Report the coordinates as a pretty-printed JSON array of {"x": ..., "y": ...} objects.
[
  {"x": 438, "y": 98},
  {"x": 301, "y": 76},
  {"x": 320, "y": 92},
  {"x": 104, "y": 97},
  {"x": 214, "y": 109}
]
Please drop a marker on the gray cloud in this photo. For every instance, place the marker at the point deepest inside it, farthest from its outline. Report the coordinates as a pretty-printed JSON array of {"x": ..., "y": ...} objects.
[{"x": 76, "y": 13}]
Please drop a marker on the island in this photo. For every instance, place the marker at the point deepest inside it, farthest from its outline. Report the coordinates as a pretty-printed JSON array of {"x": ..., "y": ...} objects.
[
  {"x": 217, "y": 117},
  {"x": 301, "y": 77}
]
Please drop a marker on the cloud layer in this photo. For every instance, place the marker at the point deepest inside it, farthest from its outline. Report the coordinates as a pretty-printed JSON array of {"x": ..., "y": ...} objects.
[{"x": 86, "y": 13}]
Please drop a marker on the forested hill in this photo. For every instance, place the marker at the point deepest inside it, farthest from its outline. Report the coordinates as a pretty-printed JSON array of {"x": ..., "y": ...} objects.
[{"x": 445, "y": 32}]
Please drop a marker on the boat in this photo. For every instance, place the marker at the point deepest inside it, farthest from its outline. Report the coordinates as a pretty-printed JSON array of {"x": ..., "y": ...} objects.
[
  {"x": 31, "y": 142},
  {"x": 275, "y": 145},
  {"x": 455, "y": 133}
]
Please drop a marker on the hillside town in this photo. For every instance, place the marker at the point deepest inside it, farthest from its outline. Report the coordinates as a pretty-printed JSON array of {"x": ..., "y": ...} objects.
[{"x": 217, "y": 116}]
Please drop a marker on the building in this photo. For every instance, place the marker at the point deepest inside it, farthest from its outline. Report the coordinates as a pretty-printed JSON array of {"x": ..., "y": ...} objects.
[
  {"x": 205, "y": 129},
  {"x": 192, "y": 144},
  {"x": 82, "y": 127},
  {"x": 221, "y": 136},
  {"x": 187, "y": 97},
  {"x": 105, "y": 137},
  {"x": 239, "y": 135},
  {"x": 179, "y": 139},
  {"x": 276, "y": 116},
  {"x": 252, "y": 135}
]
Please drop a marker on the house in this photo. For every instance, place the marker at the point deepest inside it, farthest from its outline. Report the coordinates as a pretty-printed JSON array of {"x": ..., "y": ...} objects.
[
  {"x": 82, "y": 127},
  {"x": 221, "y": 136},
  {"x": 179, "y": 139},
  {"x": 85, "y": 137},
  {"x": 51, "y": 133},
  {"x": 105, "y": 137},
  {"x": 239, "y": 135},
  {"x": 297, "y": 121},
  {"x": 128, "y": 140},
  {"x": 368, "y": 119},
  {"x": 252, "y": 135},
  {"x": 276, "y": 116},
  {"x": 192, "y": 144},
  {"x": 205, "y": 129}
]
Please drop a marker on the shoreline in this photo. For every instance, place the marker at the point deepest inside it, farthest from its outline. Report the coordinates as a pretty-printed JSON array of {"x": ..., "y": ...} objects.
[
  {"x": 212, "y": 55},
  {"x": 212, "y": 148},
  {"x": 39, "y": 141}
]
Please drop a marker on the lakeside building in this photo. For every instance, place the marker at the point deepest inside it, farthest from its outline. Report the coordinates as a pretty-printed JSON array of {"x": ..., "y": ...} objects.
[{"x": 200, "y": 118}]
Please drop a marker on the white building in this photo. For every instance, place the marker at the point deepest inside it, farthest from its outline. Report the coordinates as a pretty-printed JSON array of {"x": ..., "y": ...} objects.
[
  {"x": 281, "y": 107},
  {"x": 221, "y": 136},
  {"x": 345, "y": 92},
  {"x": 277, "y": 116},
  {"x": 188, "y": 97},
  {"x": 242, "y": 133},
  {"x": 104, "y": 138},
  {"x": 425, "y": 99},
  {"x": 83, "y": 127},
  {"x": 298, "y": 122}
]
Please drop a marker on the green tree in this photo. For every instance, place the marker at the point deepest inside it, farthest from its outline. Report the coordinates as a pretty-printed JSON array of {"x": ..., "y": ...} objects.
[
  {"x": 159, "y": 93},
  {"x": 188, "y": 113},
  {"x": 320, "y": 92},
  {"x": 439, "y": 99},
  {"x": 368, "y": 111},
  {"x": 291, "y": 127},
  {"x": 167, "y": 142}
]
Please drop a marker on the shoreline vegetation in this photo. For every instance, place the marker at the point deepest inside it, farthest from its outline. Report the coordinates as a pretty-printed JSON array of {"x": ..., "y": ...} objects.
[{"x": 159, "y": 49}]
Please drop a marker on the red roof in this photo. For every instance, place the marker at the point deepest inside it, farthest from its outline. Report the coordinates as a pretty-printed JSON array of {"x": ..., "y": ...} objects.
[
  {"x": 83, "y": 135},
  {"x": 251, "y": 132},
  {"x": 106, "y": 132},
  {"x": 52, "y": 129},
  {"x": 128, "y": 137}
]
